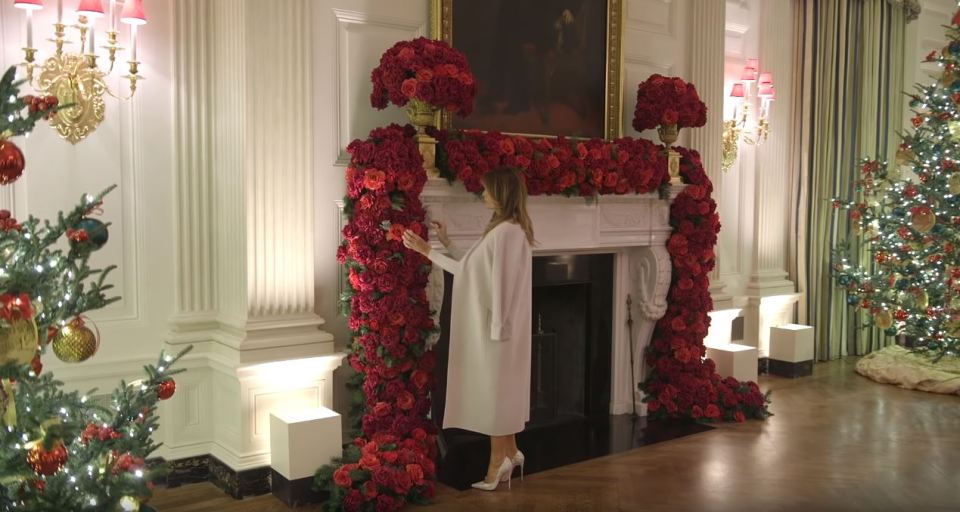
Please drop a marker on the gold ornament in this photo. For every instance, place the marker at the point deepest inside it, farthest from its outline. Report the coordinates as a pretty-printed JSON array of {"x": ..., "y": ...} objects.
[
  {"x": 129, "y": 504},
  {"x": 884, "y": 320},
  {"x": 954, "y": 127},
  {"x": 923, "y": 300},
  {"x": 923, "y": 220},
  {"x": 76, "y": 343},
  {"x": 894, "y": 174},
  {"x": 904, "y": 156},
  {"x": 18, "y": 341},
  {"x": 953, "y": 183}
]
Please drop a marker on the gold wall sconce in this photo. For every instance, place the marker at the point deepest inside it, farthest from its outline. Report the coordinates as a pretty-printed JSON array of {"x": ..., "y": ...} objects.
[
  {"x": 738, "y": 128},
  {"x": 75, "y": 78}
]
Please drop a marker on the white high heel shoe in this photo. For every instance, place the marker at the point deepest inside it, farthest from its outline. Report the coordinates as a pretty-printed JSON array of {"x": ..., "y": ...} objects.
[
  {"x": 506, "y": 469},
  {"x": 518, "y": 459}
]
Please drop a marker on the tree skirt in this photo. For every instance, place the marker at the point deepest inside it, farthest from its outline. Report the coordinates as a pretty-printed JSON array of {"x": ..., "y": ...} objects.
[{"x": 897, "y": 365}]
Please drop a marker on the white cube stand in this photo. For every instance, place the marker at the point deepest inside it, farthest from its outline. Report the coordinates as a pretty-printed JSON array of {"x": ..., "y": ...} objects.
[
  {"x": 733, "y": 360},
  {"x": 791, "y": 350},
  {"x": 300, "y": 442}
]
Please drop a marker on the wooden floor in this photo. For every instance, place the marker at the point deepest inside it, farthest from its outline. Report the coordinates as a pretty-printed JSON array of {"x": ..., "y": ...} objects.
[{"x": 837, "y": 442}]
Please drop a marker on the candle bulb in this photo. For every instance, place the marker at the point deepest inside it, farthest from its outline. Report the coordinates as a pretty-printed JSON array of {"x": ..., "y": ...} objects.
[
  {"x": 29, "y": 14},
  {"x": 59, "y": 11},
  {"x": 93, "y": 49},
  {"x": 133, "y": 43},
  {"x": 113, "y": 19}
]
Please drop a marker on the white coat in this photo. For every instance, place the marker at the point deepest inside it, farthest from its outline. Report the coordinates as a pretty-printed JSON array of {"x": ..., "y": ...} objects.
[{"x": 488, "y": 376}]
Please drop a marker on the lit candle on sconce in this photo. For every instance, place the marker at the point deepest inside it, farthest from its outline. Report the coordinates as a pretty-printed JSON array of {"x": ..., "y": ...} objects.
[
  {"x": 59, "y": 11},
  {"x": 92, "y": 9},
  {"x": 29, "y": 6},
  {"x": 737, "y": 93},
  {"x": 113, "y": 19},
  {"x": 134, "y": 16}
]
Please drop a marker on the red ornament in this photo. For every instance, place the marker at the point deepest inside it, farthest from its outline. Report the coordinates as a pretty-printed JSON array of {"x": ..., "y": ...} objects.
[
  {"x": 880, "y": 257},
  {"x": 956, "y": 19},
  {"x": 900, "y": 315},
  {"x": 11, "y": 162},
  {"x": 166, "y": 389},
  {"x": 47, "y": 462},
  {"x": 36, "y": 365}
]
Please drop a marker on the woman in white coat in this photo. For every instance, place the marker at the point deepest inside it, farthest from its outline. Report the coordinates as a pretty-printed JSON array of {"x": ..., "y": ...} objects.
[{"x": 488, "y": 381}]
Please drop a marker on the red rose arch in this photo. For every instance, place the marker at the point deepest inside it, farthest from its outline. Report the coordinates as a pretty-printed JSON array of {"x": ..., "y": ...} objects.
[{"x": 392, "y": 460}]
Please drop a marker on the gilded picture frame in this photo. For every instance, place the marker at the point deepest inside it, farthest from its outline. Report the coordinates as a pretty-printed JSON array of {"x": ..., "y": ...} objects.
[{"x": 498, "y": 117}]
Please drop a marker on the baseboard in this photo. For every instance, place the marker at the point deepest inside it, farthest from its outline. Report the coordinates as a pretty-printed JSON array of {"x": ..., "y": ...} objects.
[
  {"x": 763, "y": 365},
  {"x": 207, "y": 468},
  {"x": 295, "y": 492},
  {"x": 790, "y": 369}
]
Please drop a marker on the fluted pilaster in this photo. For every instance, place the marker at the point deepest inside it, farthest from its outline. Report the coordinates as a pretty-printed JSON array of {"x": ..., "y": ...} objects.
[
  {"x": 278, "y": 159},
  {"x": 706, "y": 72},
  {"x": 769, "y": 275},
  {"x": 193, "y": 210}
]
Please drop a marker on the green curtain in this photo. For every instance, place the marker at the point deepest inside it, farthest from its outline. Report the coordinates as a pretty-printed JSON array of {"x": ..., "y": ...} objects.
[{"x": 854, "y": 52}]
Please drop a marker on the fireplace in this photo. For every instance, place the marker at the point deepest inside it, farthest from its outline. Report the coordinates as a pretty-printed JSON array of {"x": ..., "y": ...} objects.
[{"x": 590, "y": 257}]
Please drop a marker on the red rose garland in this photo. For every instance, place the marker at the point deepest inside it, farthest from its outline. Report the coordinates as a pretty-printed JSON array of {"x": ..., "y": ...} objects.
[
  {"x": 556, "y": 165},
  {"x": 682, "y": 384},
  {"x": 426, "y": 70},
  {"x": 665, "y": 100},
  {"x": 393, "y": 460}
]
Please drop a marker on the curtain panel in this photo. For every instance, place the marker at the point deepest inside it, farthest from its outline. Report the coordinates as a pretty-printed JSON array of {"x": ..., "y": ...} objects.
[{"x": 850, "y": 106}]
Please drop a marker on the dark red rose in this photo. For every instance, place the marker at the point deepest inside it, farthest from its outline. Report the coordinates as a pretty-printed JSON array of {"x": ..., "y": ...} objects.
[
  {"x": 374, "y": 179},
  {"x": 341, "y": 477},
  {"x": 353, "y": 501},
  {"x": 739, "y": 417},
  {"x": 409, "y": 87},
  {"x": 712, "y": 411},
  {"x": 416, "y": 473},
  {"x": 381, "y": 409},
  {"x": 369, "y": 490},
  {"x": 406, "y": 400}
]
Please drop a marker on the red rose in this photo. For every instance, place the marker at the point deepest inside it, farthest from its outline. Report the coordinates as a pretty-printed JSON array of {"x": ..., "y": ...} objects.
[
  {"x": 712, "y": 411},
  {"x": 406, "y": 400},
  {"x": 406, "y": 53},
  {"x": 406, "y": 182},
  {"x": 387, "y": 504},
  {"x": 424, "y": 75},
  {"x": 353, "y": 501},
  {"x": 374, "y": 179},
  {"x": 739, "y": 417},
  {"x": 670, "y": 116},
  {"x": 507, "y": 147},
  {"x": 396, "y": 232},
  {"x": 419, "y": 434},
  {"x": 420, "y": 379},
  {"x": 416, "y": 473},
  {"x": 381, "y": 409},
  {"x": 553, "y": 162},
  {"x": 369, "y": 460},
  {"x": 341, "y": 477},
  {"x": 369, "y": 490},
  {"x": 696, "y": 412},
  {"x": 409, "y": 87},
  {"x": 390, "y": 457}
]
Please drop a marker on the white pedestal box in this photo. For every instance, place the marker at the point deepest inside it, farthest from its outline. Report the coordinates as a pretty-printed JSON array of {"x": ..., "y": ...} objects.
[
  {"x": 733, "y": 360},
  {"x": 791, "y": 350},
  {"x": 791, "y": 342},
  {"x": 302, "y": 441}
]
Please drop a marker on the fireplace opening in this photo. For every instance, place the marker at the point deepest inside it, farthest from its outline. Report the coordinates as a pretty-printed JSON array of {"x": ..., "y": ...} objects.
[{"x": 572, "y": 338}]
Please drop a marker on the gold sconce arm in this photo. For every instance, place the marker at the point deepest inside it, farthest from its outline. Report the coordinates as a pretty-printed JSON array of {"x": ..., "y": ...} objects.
[{"x": 731, "y": 143}]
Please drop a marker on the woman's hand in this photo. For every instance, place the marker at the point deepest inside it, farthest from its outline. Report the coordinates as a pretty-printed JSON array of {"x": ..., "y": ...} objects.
[
  {"x": 413, "y": 242},
  {"x": 441, "y": 230}
]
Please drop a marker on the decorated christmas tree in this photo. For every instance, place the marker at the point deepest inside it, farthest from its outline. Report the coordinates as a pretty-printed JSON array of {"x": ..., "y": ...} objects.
[
  {"x": 904, "y": 272},
  {"x": 62, "y": 451}
]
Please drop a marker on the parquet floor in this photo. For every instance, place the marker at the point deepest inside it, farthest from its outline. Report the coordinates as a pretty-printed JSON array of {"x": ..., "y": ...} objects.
[{"x": 837, "y": 442}]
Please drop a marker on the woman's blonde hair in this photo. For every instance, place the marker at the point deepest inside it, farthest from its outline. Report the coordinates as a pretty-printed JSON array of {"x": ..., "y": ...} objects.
[{"x": 509, "y": 191}]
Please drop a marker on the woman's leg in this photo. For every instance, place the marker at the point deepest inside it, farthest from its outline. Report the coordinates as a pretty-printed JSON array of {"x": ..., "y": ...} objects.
[
  {"x": 512, "y": 446},
  {"x": 499, "y": 450}
]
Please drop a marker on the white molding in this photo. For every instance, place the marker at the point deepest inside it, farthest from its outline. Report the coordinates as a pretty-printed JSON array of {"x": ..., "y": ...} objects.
[{"x": 345, "y": 18}]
